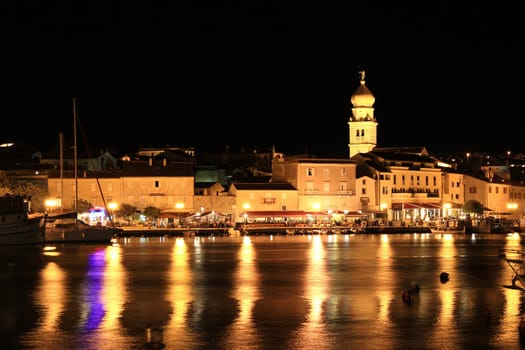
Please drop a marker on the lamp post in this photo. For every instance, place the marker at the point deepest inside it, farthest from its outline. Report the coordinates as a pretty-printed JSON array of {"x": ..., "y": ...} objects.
[
  {"x": 512, "y": 207},
  {"x": 112, "y": 207},
  {"x": 50, "y": 204},
  {"x": 383, "y": 207},
  {"x": 245, "y": 207},
  {"x": 446, "y": 209}
]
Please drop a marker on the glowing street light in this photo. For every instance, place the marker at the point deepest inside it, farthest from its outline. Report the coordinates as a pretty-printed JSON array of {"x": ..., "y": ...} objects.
[
  {"x": 446, "y": 209},
  {"x": 512, "y": 206},
  {"x": 51, "y": 204},
  {"x": 112, "y": 206}
]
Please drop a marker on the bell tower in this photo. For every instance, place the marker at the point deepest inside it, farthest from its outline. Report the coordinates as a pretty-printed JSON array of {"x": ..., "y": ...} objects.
[{"x": 362, "y": 123}]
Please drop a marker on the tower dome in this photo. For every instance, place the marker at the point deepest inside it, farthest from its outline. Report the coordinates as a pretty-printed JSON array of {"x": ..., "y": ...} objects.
[{"x": 362, "y": 97}]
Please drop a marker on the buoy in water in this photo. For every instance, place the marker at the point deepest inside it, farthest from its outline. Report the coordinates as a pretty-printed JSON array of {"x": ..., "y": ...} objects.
[
  {"x": 407, "y": 297},
  {"x": 444, "y": 277}
]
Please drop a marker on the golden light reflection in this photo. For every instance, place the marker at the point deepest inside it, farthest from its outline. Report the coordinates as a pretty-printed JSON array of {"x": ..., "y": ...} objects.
[
  {"x": 179, "y": 291},
  {"x": 512, "y": 298},
  {"x": 51, "y": 297},
  {"x": 447, "y": 292},
  {"x": 114, "y": 295},
  {"x": 384, "y": 268},
  {"x": 104, "y": 295},
  {"x": 246, "y": 292},
  {"x": 50, "y": 251},
  {"x": 313, "y": 333}
]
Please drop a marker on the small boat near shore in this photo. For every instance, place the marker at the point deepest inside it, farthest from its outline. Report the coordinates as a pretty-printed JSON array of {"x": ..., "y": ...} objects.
[
  {"x": 17, "y": 225},
  {"x": 495, "y": 225},
  {"x": 67, "y": 228},
  {"x": 451, "y": 226},
  {"x": 394, "y": 229}
]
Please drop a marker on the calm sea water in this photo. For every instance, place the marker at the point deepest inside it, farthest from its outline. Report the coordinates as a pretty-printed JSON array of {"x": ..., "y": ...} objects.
[{"x": 263, "y": 292}]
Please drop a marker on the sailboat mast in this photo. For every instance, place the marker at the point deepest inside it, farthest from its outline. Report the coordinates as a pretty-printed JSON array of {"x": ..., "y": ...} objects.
[
  {"x": 75, "y": 155},
  {"x": 61, "y": 142}
]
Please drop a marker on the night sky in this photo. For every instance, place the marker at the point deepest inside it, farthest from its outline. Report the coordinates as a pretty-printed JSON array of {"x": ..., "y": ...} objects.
[{"x": 261, "y": 73}]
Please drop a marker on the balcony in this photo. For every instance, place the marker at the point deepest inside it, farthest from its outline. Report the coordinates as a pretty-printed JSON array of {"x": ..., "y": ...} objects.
[{"x": 411, "y": 192}]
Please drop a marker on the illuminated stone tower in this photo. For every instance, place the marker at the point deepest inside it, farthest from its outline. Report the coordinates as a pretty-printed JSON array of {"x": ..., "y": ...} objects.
[{"x": 362, "y": 124}]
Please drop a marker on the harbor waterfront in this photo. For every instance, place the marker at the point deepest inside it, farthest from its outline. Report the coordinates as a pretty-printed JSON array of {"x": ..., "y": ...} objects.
[
  {"x": 263, "y": 292},
  {"x": 243, "y": 230}
]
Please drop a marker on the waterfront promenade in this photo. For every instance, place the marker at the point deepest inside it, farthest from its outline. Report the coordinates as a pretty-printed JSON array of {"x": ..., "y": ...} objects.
[{"x": 137, "y": 231}]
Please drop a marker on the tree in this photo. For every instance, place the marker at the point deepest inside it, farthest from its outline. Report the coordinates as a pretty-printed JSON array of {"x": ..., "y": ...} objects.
[
  {"x": 36, "y": 193},
  {"x": 473, "y": 207},
  {"x": 127, "y": 211},
  {"x": 83, "y": 206},
  {"x": 152, "y": 212}
]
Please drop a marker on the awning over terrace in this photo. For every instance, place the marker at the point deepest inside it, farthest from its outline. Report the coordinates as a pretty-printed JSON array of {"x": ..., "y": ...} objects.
[
  {"x": 431, "y": 205},
  {"x": 206, "y": 213},
  {"x": 353, "y": 213}
]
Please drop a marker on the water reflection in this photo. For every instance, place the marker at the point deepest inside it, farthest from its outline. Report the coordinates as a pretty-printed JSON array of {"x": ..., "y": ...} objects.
[
  {"x": 102, "y": 295},
  {"x": 512, "y": 311},
  {"x": 246, "y": 292},
  {"x": 113, "y": 297},
  {"x": 179, "y": 293},
  {"x": 326, "y": 292},
  {"x": 147, "y": 267},
  {"x": 384, "y": 294},
  {"x": 50, "y": 298},
  {"x": 212, "y": 309},
  {"x": 447, "y": 298},
  {"x": 312, "y": 334},
  {"x": 281, "y": 309}
]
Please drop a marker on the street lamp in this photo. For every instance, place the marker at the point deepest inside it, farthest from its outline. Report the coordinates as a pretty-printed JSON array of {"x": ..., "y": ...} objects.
[
  {"x": 384, "y": 213},
  {"x": 512, "y": 207},
  {"x": 112, "y": 206},
  {"x": 51, "y": 204},
  {"x": 446, "y": 209}
]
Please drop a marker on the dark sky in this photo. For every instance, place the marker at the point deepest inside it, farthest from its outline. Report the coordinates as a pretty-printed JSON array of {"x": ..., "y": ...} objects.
[{"x": 258, "y": 73}]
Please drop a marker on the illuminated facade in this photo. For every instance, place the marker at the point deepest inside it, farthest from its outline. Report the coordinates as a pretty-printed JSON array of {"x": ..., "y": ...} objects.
[{"x": 362, "y": 123}]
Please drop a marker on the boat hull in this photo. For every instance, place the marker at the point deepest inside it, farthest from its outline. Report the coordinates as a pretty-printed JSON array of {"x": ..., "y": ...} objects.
[
  {"x": 24, "y": 232},
  {"x": 90, "y": 234},
  {"x": 448, "y": 231}
]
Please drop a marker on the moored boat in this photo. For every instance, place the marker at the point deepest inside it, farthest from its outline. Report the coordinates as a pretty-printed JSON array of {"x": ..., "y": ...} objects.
[
  {"x": 451, "y": 225},
  {"x": 17, "y": 225},
  {"x": 448, "y": 229},
  {"x": 497, "y": 225},
  {"x": 67, "y": 228}
]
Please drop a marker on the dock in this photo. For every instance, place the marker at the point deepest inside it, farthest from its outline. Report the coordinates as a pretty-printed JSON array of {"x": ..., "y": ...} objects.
[
  {"x": 176, "y": 232},
  {"x": 247, "y": 230}
]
